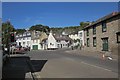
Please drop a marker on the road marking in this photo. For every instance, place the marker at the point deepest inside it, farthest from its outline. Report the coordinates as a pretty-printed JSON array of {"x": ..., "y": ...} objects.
[{"x": 95, "y": 66}]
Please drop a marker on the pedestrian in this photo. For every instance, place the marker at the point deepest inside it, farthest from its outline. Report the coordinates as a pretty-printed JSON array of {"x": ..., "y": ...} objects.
[
  {"x": 13, "y": 49},
  {"x": 10, "y": 49}
]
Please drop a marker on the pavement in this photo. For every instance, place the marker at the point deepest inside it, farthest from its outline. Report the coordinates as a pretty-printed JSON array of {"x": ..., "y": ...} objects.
[
  {"x": 90, "y": 53},
  {"x": 58, "y": 64}
]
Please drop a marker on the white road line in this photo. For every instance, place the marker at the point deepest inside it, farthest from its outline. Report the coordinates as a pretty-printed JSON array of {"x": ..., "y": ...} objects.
[{"x": 95, "y": 66}]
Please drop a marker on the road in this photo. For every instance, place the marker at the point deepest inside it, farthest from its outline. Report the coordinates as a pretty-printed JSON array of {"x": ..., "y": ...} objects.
[{"x": 59, "y": 64}]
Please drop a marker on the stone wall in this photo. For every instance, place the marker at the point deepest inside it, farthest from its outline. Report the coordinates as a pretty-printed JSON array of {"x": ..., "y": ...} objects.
[{"x": 112, "y": 28}]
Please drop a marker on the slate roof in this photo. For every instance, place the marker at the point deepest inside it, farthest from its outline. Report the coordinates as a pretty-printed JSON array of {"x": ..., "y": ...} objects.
[
  {"x": 62, "y": 38},
  {"x": 111, "y": 15}
]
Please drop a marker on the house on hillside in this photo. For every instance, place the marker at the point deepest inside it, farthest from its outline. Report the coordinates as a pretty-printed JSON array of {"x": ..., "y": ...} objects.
[
  {"x": 58, "y": 41},
  {"x": 78, "y": 39},
  {"x": 104, "y": 34},
  {"x": 74, "y": 35}
]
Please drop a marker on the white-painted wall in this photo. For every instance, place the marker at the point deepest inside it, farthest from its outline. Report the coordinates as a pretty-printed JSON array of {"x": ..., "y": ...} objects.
[
  {"x": 63, "y": 43},
  {"x": 51, "y": 41},
  {"x": 26, "y": 40},
  {"x": 74, "y": 36},
  {"x": 81, "y": 37}
]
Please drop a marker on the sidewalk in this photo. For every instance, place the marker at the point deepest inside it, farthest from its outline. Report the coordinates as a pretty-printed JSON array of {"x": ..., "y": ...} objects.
[
  {"x": 89, "y": 53},
  {"x": 16, "y": 68}
]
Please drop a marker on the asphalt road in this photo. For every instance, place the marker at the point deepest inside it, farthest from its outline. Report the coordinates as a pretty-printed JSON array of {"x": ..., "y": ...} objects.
[{"x": 58, "y": 64}]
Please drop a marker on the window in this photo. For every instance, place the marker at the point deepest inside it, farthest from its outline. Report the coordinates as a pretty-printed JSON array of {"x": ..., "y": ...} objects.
[
  {"x": 118, "y": 37},
  {"x": 23, "y": 43},
  {"x": 50, "y": 43},
  {"x": 87, "y": 32},
  {"x": 94, "y": 41},
  {"x": 94, "y": 29},
  {"x": 80, "y": 34},
  {"x": 104, "y": 27},
  {"x": 88, "y": 42}
]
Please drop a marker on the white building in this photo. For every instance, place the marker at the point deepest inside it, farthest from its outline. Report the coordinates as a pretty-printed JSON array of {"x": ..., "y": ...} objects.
[
  {"x": 74, "y": 36},
  {"x": 52, "y": 43},
  {"x": 61, "y": 41},
  {"x": 24, "y": 39},
  {"x": 81, "y": 37}
]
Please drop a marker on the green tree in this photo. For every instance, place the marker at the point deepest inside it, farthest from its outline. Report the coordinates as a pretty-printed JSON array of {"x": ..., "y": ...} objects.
[
  {"x": 7, "y": 27},
  {"x": 84, "y": 24},
  {"x": 40, "y": 27},
  {"x": 20, "y": 31}
]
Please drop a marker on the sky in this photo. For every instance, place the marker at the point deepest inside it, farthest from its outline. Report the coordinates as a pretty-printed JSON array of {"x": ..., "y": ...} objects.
[{"x": 54, "y": 14}]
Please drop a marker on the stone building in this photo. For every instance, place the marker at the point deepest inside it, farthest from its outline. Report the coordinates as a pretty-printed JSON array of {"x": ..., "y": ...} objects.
[
  {"x": 36, "y": 40},
  {"x": 104, "y": 34}
]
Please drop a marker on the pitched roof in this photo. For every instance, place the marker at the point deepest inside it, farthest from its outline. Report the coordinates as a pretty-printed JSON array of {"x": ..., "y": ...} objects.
[
  {"x": 62, "y": 38},
  {"x": 113, "y": 14}
]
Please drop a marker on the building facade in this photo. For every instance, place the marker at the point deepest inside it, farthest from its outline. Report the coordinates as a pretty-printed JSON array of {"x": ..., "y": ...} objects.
[
  {"x": 74, "y": 36},
  {"x": 58, "y": 41},
  {"x": 81, "y": 37},
  {"x": 102, "y": 34},
  {"x": 24, "y": 39},
  {"x": 37, "y": 38}
]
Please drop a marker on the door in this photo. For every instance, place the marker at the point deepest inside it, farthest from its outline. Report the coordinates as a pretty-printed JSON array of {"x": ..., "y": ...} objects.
[
  {"x": 35, "y": 47},
  {"x": 105, "y": 44}
]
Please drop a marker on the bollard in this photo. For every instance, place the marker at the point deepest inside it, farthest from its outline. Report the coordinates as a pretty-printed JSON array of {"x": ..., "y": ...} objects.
[{"x": 103, "y": 56}]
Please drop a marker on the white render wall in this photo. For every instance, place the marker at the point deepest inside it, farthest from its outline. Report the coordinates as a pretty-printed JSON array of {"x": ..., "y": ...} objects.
[
  {"x": 74, "y": 36},
  {"x": 81, "y": 37},
  {"x": 27, "y": 41},
  {"x": 51, "y": 40}
]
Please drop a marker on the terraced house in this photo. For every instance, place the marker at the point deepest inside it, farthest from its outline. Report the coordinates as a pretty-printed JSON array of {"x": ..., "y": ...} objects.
[{"x": 104, "y": 34}]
